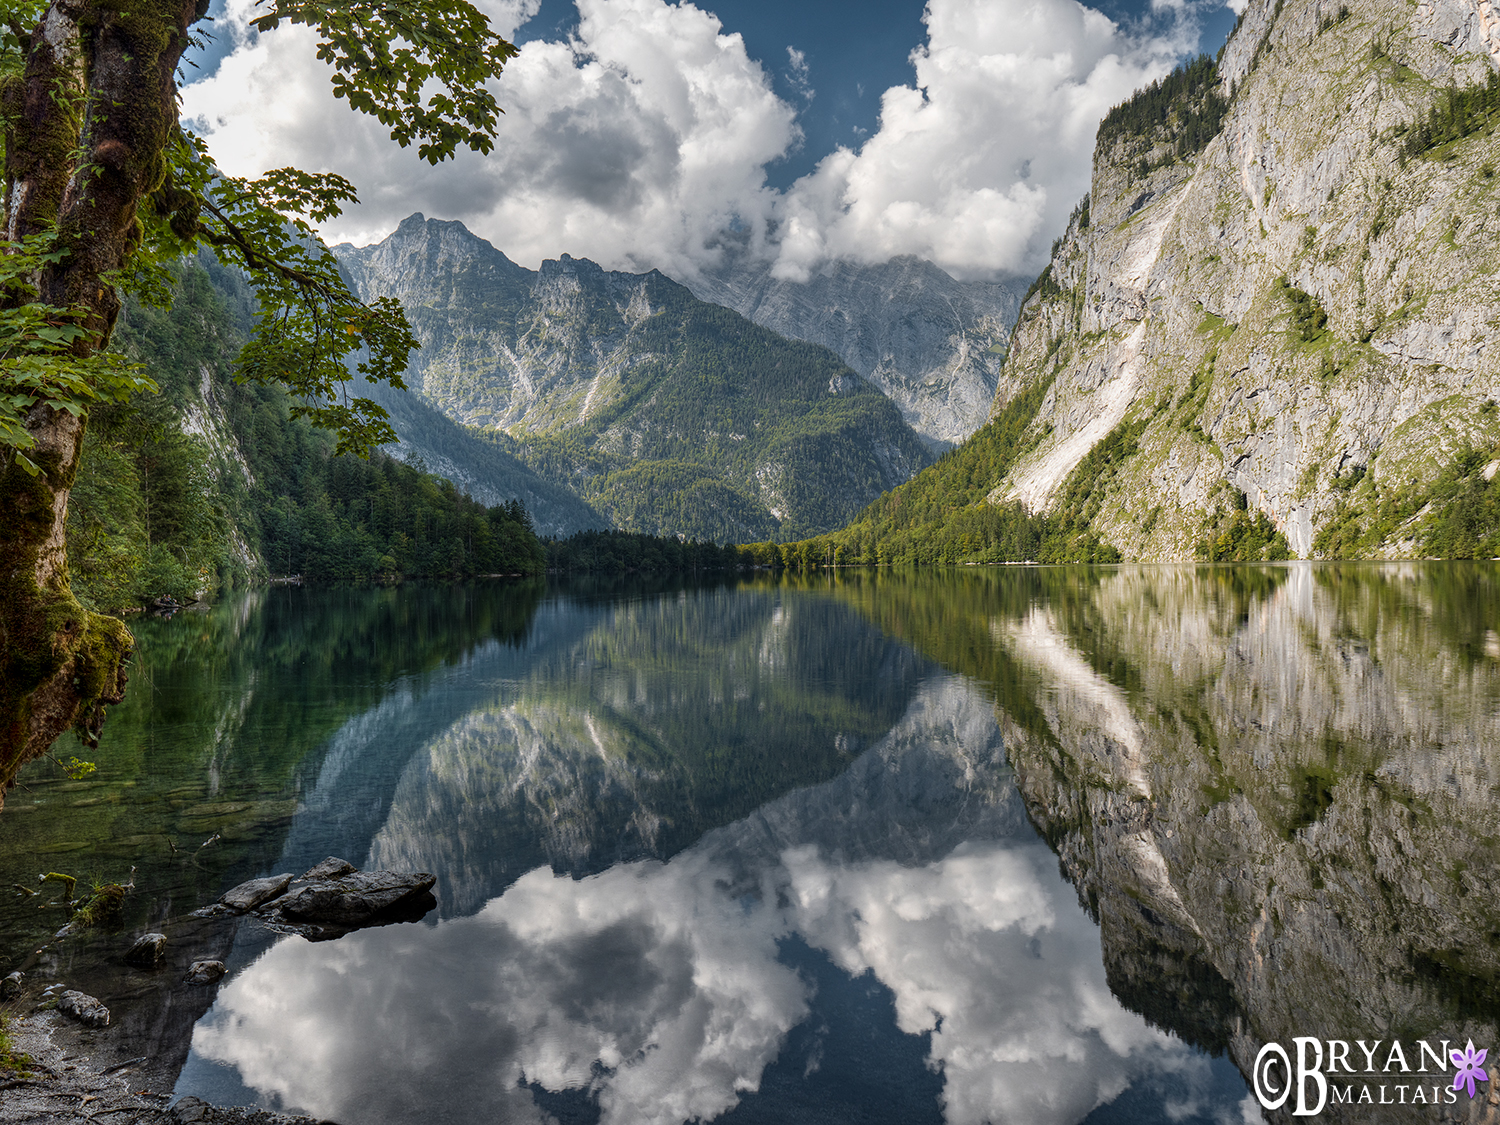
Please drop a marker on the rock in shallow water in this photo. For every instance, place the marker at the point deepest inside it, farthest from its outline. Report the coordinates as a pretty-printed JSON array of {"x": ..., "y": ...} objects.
[
  {"x": 204, "y": 972},
  {"x": 84, "y": 1008},
  {"x": 10, "y": 987},
  {"x": 147, "y": 951},
  {"x": 255, "y": 892},
  {"x": 188, "y": 1110},
  {"x": 356, "y": 899},
  {"x": 330, "y": 868}
]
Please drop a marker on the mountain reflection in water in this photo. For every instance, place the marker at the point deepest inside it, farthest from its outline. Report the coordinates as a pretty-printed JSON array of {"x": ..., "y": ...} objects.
[
  {"x": 662, "y": 988},
  {"x": 1275, "y": 787},
  {"x": 1009, "y": 844}
]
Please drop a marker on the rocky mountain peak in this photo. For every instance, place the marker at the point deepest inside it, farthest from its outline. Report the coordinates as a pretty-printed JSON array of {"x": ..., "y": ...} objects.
[
  {"x": 931, "y": 343},
  {"x": 663, "y": 412},
  {"x": 1278, "y": 300}
]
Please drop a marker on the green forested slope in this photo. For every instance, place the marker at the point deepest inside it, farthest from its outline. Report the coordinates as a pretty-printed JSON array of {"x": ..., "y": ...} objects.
[
  {"x": 943, "y": 515},
  {"x": 626, "y": 552},
  {"x": 1183, "y": 111},
  {"x": 728, "y": 432},
  {"x": 435, "y": 443},
  {"x": 208, "y": 483}
]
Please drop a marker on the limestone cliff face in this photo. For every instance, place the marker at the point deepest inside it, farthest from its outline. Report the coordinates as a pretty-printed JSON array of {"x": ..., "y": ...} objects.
[
  {"x": 1305, "y": 312},
  {"x": 484, "y": 470},
  {"x": 932, "y": 344},
  {"x": 204, "y": 416},
  {"x": 503, "y": 346}
]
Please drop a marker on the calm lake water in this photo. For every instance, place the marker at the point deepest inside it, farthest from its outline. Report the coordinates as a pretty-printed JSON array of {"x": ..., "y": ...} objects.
[{"x": 1020, "y": 845}]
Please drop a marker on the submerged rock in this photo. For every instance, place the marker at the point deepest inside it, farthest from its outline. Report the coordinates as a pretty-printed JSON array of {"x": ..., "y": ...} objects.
[
  {"x": 357, "y": 899},
  {"x": 204, "y": 972},
  {"x": 255, "y": 892},
  {"x": 147, "y": 951},
  {"x": 10, "y": 987},
  {"x": 190, "y": 1109},
  {"x": 86, "y": 1009}
]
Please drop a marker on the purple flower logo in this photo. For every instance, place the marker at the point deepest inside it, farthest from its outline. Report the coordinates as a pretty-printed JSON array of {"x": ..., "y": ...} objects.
[{"x": 1470, "y": 1065}]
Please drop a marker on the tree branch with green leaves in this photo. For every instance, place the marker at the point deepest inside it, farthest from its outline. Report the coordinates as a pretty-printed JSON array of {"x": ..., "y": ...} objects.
[{"x": 103, "y": 192}]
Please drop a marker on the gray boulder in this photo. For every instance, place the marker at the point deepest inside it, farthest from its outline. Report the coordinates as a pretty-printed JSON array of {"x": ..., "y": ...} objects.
[
  {"x": 255, "y": 892},
  {"x": 204, "y": 972},
  {"x": 10, "y": 987},
  {"x": 147, "y": 952},
  {"x": 84, "y": 1008},
  {"x": 330, "y": 868},
  {"x": 357, "y": 899}
]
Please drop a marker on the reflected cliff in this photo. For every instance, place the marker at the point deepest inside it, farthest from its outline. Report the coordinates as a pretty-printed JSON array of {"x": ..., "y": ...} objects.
[
  {"x": 789, "y": 850},
  {"x": 227, "y": 716},
  {"x": 1275, "y": 788},
  {"x": 475, "y": 731},
  {"x": 205, "y": 767},
  {"x": 666, "y": 717}
]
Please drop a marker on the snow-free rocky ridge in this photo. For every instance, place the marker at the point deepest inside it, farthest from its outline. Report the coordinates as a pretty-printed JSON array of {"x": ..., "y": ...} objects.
[
  {"x": 664, "y": 413},
  {"x": 1303, "y": 318}
]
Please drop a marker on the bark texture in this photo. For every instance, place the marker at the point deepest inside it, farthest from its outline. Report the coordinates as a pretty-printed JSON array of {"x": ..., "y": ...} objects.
[{"x": 86, "y": 129}]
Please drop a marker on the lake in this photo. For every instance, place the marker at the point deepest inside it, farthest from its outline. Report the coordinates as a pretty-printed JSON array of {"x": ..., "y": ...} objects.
[{"x": 1021, "y": 845}]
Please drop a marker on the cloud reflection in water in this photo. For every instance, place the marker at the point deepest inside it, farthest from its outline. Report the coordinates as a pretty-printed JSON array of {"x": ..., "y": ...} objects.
[
  {"x": 659, "y": 987},
  {"x": 656, "y": 974}
]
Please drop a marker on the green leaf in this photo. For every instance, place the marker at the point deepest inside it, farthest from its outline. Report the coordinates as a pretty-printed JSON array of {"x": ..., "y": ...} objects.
[{"x": 384, "y": 54}]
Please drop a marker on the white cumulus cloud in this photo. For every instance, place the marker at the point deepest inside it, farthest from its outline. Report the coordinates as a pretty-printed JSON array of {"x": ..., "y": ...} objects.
[
  {"x": 633, "y": 144},
  {"x": 977, "y": 164},
  {"x": 648, "y": 133},
  {"x": 662, "y": 989}
]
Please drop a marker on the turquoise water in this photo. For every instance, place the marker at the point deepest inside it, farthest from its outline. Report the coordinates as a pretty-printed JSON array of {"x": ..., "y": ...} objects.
[{"x": 1014, "y": 845}]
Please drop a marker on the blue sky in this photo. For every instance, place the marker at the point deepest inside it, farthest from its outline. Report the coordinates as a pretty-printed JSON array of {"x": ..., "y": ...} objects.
[
  {"x": 637, "y": 131},
  {"x": 854, "y": 51}
]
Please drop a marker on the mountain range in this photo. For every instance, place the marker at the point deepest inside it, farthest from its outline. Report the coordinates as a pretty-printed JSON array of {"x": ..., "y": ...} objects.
[
  {"x": 660, "y": 412},
  {"x": 1270, "y": 330},
  {"x": 933, "y": 345}
]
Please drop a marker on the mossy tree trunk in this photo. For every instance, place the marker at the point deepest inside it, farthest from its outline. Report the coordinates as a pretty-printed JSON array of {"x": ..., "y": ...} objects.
[{"x": 86, "y": 128}]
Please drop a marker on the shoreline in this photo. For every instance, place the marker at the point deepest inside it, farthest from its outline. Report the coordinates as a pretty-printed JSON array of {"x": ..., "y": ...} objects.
[
  {"x": 119, "y": 1074},
  {"x": 69, "y": 1079}
]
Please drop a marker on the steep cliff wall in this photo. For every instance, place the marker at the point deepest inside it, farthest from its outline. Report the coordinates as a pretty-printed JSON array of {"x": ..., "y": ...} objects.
[
  {"x": 1273, "y": 787},
  {"x": 1301, "y": 319},
  {"x": 1275, "y": 800}
]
